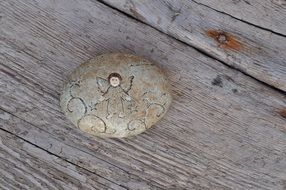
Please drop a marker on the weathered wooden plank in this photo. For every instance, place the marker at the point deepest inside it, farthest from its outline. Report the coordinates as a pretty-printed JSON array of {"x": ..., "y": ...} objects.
[
  {"x": 219, "y": 134},
  {"x": 24, "y": 166},
  {"x": 252, "y": 50},
  {"x": 268, "y": 14},
  {"x": 92, "y": 159}
]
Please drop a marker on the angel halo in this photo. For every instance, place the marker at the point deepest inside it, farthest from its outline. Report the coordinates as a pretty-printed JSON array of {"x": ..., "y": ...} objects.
[{"x": 116, "y": 95}]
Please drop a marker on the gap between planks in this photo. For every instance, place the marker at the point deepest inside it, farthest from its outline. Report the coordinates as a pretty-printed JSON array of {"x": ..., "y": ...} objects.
[
  {"x": 271, "y": 80},
  {"x": 182, "y": 98},
  {"x": 198, "y": 49},
  {"x": 104, "y": 184},
  {"x": 246, "y": 22}
]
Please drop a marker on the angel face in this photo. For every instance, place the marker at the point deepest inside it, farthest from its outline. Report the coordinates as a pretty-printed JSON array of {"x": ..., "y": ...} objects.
[{"x": 114, "y": 79}]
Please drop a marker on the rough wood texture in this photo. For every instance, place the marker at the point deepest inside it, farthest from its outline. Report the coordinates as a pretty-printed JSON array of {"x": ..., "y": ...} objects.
[
  {"x": 268, "y": 14},
  {"x": 257, "y": 52},
  {"x": 224, "y": 130},
  {"x": 25, "y": 166}
]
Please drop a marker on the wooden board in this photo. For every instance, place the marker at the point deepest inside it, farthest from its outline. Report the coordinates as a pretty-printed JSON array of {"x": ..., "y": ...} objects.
[
  {"x": 267, "y": 14},
  {"x": 224, "y": 130},
  {"x": 250, "y": 49},
  {"x": 25, "y": 166}
]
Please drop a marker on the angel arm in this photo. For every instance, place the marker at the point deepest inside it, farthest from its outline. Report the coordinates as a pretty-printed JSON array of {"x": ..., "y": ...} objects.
[
  {"x": 126, "y": 97},
  {"x": 102, "y": 98}
]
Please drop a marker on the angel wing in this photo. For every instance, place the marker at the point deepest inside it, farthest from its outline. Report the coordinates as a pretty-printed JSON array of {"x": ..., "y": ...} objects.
[
  {"x": 127, "y": 85},
  {"x": 102, "y": 84}
]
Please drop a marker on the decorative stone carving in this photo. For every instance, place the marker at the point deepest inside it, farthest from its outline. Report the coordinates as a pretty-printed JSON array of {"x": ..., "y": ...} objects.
[{"x": 116, "y": 95}]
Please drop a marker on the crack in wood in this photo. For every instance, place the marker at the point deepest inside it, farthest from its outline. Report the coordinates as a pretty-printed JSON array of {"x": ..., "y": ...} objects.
[
  {"x": 15, "y": 135},
  {"x": 111, "y": 164},
  {"x": 247, "y": 22},
  {"x": 235, "y": 66}
]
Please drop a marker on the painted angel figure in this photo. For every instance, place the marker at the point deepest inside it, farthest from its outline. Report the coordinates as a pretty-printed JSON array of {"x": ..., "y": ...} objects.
[{"x": 115, "y": 93}]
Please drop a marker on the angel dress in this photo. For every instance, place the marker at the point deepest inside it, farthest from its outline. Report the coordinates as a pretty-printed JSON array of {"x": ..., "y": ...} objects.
[{"x": 116, "y": 99}]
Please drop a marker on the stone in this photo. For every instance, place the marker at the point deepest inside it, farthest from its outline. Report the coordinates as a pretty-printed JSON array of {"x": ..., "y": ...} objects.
[{"x": 116, "y": 95}]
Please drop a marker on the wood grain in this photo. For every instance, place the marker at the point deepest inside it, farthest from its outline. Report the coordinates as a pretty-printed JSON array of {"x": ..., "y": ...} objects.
[
  {"x": 25, "y": 166},
  {"x": 250, "y": 49},
  {"x": 223, "y": 130},
  {"x": 268, "y": 14}
]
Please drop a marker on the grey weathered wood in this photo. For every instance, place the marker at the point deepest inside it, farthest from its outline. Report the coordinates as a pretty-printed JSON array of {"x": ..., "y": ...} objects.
[
  {"x": 268, "y": 14},
  {"x": 254, "y": 51},
  {"x": 223, "y": 130},
  {"x": 24, "y": 166}
]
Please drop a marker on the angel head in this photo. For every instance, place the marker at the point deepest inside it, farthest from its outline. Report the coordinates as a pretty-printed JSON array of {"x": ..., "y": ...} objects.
[{"x": 114, "y": 79}]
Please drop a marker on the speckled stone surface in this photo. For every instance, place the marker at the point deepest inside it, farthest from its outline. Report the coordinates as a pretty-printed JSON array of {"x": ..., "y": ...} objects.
[{"x": 116, "y": 95}]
